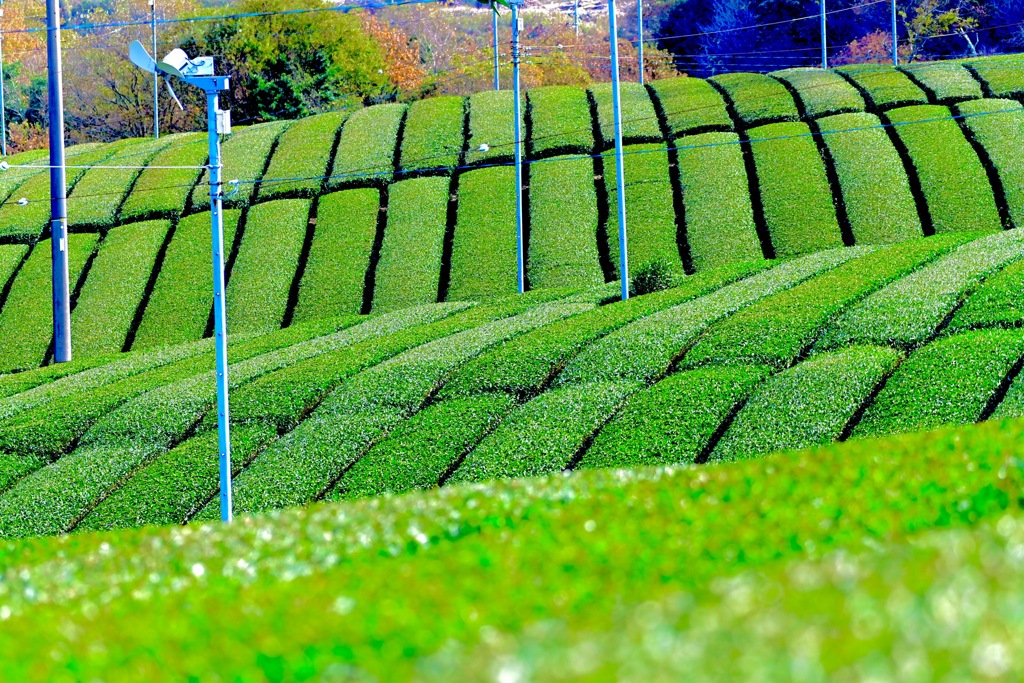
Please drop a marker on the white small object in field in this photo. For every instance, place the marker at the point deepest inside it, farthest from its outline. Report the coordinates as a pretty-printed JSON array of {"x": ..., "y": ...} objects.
[
  {"x": 485, "y": 147},
  {"x": 23, "y": 201},
  {"x": 4, "y": 165}
]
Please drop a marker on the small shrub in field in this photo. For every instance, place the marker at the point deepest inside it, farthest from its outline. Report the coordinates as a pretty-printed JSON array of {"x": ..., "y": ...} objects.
[
  {"x": 886, "y": 86},
  {"x": 303, "y": 157},
  {"x": 639, "y": 121},
  {"x": 653, "y": 276},
  {"x": 366, "y": 152},
  {"x": 560, "y": 121},
  {"x": 484, "y": 244},
  {"x": 432, "y": 138},
  {"x": 999, "y": 126},
  {"x": 949, "y": 82}
]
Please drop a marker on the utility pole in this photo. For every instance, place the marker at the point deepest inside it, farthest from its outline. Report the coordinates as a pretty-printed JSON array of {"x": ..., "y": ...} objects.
[
  {"x": 576, "y": 16},
  {"x": 156, "y": 77},
  {"x": 494, "y": 32},
  {"x": 640, "y": 36},
  {"x": 199, "y": 73},
  {"x": 517, "y": 113},
  {"x": 58, "y": 191},
  {"x": 620, "y": 177},
  {"x": 824, "y": 38},
  {"x": 895, "y": 44},
  {"x": 3, "y": 104}
]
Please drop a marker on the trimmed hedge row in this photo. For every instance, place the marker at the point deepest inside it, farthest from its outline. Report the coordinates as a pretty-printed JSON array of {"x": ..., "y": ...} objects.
[
  {"x": 302, "y": 465},
  {"x": 1002, "y": 75},
  {"x": 690, "y": 105},
  {"x": 171, "y": 488},
  {"x": 563, "y": 224},
  {"x": 808, "y": 405},
  {"x": 795, "y": 192},
  {"x": 491, "y": 123},
  {"x": 346, "y": 227},
  {"x": 874, "y": 183},
  {"x": 302, "y": 157},
  {"x": 719, "y": 217},
  {"x": 49, "y": 428},
  {"x": 560, "y": 121},
  {"x": 48, "y": 383},
  {"x": 948, "y": 82},
  {"x": 410, "y": 256},
  {"x": 182, "y": 298},
  {"x": 27, "y": 316},
  {"x": 639, "y": 121},
  {"x": 96, "y": 198},
  {"x": 418, "y": 452},
  {"x": 542, "y": 436},
  {"x": 673, "y": 421},
  {"x": 524, "y": 365},
  {"x": 644, "y": 350},
  {"x": 955, "y": 184},
  {"x": 14, "y": 178},
  {"x": 142, "y": 428},
  {"x": 27, "y": 223},
  {"x": 997, "y": 303},
  {"x": 1012, "y": 404},
  {"x": 162, "y": 192},
  {"x": 433, "y": 134},
  {"x": 366, "y": 152},
  {"x": 244, "y": 156},
  {"x": 948, "y": 382},
  {"x": 650, "y": 212},
  {"x": 282, "y": 398},
  {"x": 261, "y": 278},
  {"x": 999, "y": 126},
  {"x": 261, "y": 409},
  {"x": 778, "y": 329},
  {"x": 886, "y": 86},
  {"x": 484, "y": 244},
  {"x": 908, "y": 311},
  {"x": 823, "y": 93},
  {"x": 11, "y": 256},
  {"x": 758, "y": 99},
  {"x": 115, "y": 287}
]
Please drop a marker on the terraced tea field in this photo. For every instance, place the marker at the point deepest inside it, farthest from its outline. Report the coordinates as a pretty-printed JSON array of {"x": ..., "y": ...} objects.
[
  {"x": 400, "y": 205},
  {"x": 800, "y": 462}
]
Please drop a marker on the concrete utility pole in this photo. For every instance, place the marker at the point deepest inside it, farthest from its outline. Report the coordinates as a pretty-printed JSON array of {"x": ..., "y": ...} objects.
[
  {"x": 517, "y": 126},
  {"x": 58, "y": 191},
  {"x": 620, "y": 178},
  {"x": 3, "y": 104},
  {"x": 824, "y": 38},
  {"x": 156, "y": 77},
  {"x": 494, "y": 33},
  {"x": 640, "y": 37},
  {"x": 895, "y": 44}
]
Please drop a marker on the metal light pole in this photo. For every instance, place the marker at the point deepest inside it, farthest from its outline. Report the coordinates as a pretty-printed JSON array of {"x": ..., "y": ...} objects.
[
  {"x": 640, "y": 36},
  {"x": 3, "y": 104},
  {"x": 199, "y": 72},
  {"x": 58, "y": 191},
  {"x": 824, "y": 38},
  {"x": 576, "y": 16},
  {"x": 895, "y": 45},
  {"x": 494, "y": 33},
  {"x": 516, "y": 112},
  {"x": 620, "y": 177},
  {"x": 156, "y": 77}
]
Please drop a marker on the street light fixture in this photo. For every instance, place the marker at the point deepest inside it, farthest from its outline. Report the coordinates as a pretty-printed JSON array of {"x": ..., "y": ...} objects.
[{"x": 199, "y": 72}]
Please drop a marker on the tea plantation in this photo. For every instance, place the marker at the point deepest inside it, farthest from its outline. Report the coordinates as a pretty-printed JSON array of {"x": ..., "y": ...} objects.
[{"x": 801, "y": 461}]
